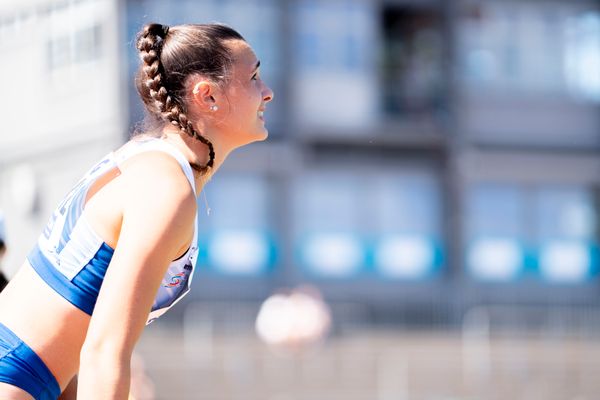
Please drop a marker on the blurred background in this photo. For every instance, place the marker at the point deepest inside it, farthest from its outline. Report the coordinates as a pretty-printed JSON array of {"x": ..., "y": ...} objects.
[{"x": 432, "y": 174}]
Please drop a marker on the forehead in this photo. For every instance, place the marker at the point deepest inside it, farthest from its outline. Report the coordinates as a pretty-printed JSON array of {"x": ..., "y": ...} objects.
[{"x": 244, "y": 59}]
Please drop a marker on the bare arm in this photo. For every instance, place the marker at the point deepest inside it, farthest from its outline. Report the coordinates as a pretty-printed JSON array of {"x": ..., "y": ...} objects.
[{"x": 158, "y": 216}]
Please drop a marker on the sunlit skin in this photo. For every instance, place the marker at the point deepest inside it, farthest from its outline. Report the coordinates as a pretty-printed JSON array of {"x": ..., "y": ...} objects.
[
  {"x": 240, "y": 103},
  {"x": 118, "y": 209}
]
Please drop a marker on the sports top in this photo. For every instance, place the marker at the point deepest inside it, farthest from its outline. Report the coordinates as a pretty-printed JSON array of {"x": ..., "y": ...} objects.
[{"x": 72, "y": 259}]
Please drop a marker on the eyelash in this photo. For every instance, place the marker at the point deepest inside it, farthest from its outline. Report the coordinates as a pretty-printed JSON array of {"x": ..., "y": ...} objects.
[{"x": 254, "y": 77}]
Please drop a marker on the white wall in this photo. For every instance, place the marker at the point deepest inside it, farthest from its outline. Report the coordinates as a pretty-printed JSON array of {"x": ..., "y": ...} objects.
[{"x": 61, "y": 108}]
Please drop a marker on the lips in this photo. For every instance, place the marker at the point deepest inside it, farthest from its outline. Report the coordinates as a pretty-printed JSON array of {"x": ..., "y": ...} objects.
[{"x": 261, "y": 115}]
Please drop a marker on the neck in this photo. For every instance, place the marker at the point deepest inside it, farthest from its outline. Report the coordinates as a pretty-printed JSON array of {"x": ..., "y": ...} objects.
[{"x": 197, "y": 153}]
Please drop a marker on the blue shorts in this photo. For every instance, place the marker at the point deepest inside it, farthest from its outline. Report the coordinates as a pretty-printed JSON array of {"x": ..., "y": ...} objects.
[{"x": 21, "y": 367}]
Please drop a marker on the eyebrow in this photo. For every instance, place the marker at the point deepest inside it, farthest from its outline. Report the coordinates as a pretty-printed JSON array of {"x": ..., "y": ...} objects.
[{"x": 257, "y": 65}]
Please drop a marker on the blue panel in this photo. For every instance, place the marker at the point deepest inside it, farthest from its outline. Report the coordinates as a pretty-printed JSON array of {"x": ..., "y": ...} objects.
[
  {"x": 350, "y": 225},
  {"x": 495, "y": 232},
  {"x": 495, "y": 258},
  {"x": 407, "y": 257},
  {"x": 406, "y": 214},
  {"x": 566, "y": 227},
  {"x": 332, "y": 254},
  {"x": 240, "y": 252},
  {"x": 545, "y": 233},
  {"x": 327, "y": 224},
  {"x": 567, "y": 261},
  {"x": 236, "y": 236}
]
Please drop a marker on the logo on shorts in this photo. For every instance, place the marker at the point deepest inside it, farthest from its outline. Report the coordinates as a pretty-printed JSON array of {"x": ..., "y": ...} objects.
[{"x": 176, "y": 280}]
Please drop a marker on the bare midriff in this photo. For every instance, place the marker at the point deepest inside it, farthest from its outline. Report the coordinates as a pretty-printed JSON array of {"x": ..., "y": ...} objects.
[{"x": 54, "y": 328}]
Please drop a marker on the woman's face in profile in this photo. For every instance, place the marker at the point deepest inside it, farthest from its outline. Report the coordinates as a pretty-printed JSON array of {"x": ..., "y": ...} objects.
[{"x": 247, "y": 96}]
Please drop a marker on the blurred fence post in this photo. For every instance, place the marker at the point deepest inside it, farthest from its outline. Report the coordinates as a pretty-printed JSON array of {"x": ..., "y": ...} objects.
[
  {"x": 392, "y": 376},
  {"x": 476, "y": 349},
  {"x": 198, "y": 330}
]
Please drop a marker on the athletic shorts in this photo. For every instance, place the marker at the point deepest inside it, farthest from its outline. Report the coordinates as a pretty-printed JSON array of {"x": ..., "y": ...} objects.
[{"x": 21, "y": 367}]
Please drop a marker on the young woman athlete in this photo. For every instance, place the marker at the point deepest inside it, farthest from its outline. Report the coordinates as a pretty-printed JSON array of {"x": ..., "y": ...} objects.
[{"x": 121, "y": 247}]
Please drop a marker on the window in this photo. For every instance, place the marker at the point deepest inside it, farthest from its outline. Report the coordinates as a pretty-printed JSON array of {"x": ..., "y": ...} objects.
[
  {"x": 412, "y": 68},
  {"x": 235, "y": 232},
  {"x": 567, "y": 234},
  {"x": 87, "y": 44},
  {"x": 333, "y": 35},
  {"x": 327, "y": 225},
  {"x": 408, "y": 232},
  {"x": 333, "y": 50},
  {"x": 70, "y": 48},
  {"x": 582, "y": 55},
  {"x": 351, "y": 225},
  {"x": 59, "y": 52},
  {"x": 496, "y": 236},
  {"x": 545, "y": 233},
  {"x": 532, "y": 47}
]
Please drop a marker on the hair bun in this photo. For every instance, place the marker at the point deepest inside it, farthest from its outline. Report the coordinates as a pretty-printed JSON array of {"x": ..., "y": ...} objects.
[{"x": 155, "y": 29}]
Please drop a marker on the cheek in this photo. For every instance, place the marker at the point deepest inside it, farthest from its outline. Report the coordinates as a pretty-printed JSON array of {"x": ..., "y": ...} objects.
[
  {"x": 251, "y": 104},
  {"x": 245, "y": 103}
]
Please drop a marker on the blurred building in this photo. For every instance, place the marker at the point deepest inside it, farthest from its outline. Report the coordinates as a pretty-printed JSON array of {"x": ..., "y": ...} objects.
[
  {"x": 62, "y": 105},
  {"x": 425, "y": 156}
]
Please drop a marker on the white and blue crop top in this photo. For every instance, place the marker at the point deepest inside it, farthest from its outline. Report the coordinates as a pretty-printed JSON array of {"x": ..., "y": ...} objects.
[{"x": 72, "y": 258}]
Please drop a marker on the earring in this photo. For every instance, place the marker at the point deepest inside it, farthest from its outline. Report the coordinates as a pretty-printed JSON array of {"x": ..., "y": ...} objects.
[{"x": 214, "y": 108}]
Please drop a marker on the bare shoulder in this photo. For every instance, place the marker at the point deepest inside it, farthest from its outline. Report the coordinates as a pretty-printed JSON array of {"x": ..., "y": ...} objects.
[
  {"x": 158, "y": 205},
  {"x": 156, "y": 175}
]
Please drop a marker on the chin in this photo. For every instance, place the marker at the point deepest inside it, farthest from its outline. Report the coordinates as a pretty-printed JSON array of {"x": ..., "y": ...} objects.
[
  {"x": 263, "y": 134},
  {"x": 254, "y": 137}
]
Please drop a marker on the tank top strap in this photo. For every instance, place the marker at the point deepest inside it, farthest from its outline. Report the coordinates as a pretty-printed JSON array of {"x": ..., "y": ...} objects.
[{"x": 135, "y": 147}]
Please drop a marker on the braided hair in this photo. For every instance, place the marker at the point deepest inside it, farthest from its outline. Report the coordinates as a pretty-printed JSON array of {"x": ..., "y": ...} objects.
[{"x": 169, "y": 56}]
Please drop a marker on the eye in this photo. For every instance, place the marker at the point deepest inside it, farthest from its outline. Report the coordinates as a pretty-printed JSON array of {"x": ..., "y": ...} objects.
[{"x": 254, "y": 77}]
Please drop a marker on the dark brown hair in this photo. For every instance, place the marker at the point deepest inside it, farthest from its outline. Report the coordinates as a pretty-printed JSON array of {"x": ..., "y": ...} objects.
[{"x": 169, "y": 56}]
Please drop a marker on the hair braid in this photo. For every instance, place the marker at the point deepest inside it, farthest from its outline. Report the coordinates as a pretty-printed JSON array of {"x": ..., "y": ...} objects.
[{"x": 150, "y": 43}]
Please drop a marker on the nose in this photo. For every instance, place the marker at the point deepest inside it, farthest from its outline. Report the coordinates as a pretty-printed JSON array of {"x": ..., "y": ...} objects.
[{"x": 267, "y": 94}]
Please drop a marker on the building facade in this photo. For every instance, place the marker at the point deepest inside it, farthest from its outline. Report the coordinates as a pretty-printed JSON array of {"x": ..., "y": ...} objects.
[
  {"x": 63, "y": 106},
  {"x": 423, "y": 155}
]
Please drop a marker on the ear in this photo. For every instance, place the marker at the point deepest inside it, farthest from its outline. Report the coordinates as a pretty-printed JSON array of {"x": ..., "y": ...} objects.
[{"x": 203, "y": 94}]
